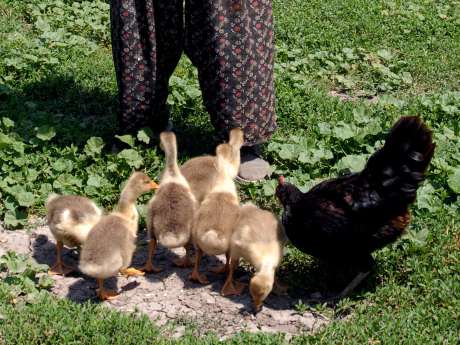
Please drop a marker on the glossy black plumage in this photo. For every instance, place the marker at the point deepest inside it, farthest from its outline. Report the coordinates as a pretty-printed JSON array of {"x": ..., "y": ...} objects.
[{"x": 347, "y": 218}]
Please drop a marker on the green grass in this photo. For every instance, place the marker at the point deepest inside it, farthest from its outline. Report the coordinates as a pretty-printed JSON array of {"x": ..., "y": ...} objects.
[{"x": 57, "y": 86}]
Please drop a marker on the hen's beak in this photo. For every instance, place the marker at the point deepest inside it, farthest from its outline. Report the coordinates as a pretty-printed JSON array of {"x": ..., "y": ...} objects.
[
  {"x": 281, "y": 180},
  {"x": 154, "y": 185}
]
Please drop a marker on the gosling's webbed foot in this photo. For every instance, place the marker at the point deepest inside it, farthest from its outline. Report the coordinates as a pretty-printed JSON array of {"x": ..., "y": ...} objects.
[
  {"x": 199, "y": 278},
  {"x": 219, "y": 269},
  {"x": 183, "y": 262},
  {"x": 149, "y": 268},
  {"x": 60, "y": 269},
  {"x": 105, "y": 295},
  {"x": 232, "y": 289},
  {"x": 131, "y": 271}
]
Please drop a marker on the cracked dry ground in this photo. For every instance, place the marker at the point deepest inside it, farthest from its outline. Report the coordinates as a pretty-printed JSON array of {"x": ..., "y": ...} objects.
[{"x": 169, "y": 295}]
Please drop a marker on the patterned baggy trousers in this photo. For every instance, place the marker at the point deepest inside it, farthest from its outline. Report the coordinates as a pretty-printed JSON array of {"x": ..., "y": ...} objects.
[{"x": 229, "y": 41}]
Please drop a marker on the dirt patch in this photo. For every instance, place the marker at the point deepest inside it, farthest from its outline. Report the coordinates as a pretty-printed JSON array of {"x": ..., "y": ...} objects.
[{"x": 169, "y": 295}]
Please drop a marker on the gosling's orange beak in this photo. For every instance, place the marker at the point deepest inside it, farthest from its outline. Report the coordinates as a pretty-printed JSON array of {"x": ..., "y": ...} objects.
[{"x": 154, "y": 185}]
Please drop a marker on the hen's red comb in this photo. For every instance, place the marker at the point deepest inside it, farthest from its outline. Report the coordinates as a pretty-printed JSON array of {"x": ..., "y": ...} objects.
[{"x": 281, "y": 180}]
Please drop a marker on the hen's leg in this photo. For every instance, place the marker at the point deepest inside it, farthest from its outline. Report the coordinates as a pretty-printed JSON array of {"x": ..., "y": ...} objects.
[
  {"x": 353, "y": 284},
  {"x": 365, "y": 265}
]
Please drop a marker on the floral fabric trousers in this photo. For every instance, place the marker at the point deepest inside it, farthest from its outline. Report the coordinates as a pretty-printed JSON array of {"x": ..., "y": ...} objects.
[{"x": 231, "y": 43}]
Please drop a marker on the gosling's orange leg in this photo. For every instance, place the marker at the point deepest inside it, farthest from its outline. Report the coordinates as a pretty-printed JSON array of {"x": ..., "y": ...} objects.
[
  {"x": 104, "y": 294},
  {"x": 59, "y": 268},
  {"x": 229, "y": 288},
  {"x": 196, "y": 275},
  {"x": 222, "y": 268},
  {"x": 185, "y": 261},
  {"x": 149, "y": 268}
]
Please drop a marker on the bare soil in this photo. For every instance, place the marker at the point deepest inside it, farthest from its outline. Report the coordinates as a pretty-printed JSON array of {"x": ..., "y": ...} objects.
[{"x": 169, "y": 297}]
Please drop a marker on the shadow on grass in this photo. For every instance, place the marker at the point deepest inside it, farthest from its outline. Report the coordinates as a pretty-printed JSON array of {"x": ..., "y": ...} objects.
[
  {"x": 78, "y": 113},
  {"x": 316, "y": 281}
]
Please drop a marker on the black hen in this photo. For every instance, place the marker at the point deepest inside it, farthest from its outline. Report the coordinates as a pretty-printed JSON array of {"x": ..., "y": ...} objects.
[{"x": 345, "y": 219}]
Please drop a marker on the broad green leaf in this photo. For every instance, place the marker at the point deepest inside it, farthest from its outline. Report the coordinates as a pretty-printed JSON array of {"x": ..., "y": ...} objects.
[
  {"x": 25, "y": 199},
  {"x": 132, "y": 157},
  {"x": 321, "y": 153},
  {"x": 192, "y": 92},
  {"x": 454, "y": 180},
  {"x": 417, "y": 237},
  {"x": 63, "y": 164},
  {"x": 10, "y": 203},
  {"x": 359, "y": 114},
  {"x": 46, "y": 133},
  {"x": 45, "y": 189},
  {"x": 345, "y": 81},
  {"x": 91, "y": 191},
  {"x": 144, "y": 135},
  {"x": 45, "y": 282},
  {"x": 95, "y": 181},
  {"x": 28, "y": 285},
  {"x": 5, "y": 140},
  {"x": 385, "y": 54},
  {"x": 427, "y": 198},
  {"x": 344, "y": 131},
  {"x": 66, "y": 180},
  {"x": 94, "y": 146},
  {"x": 16, "y": 266},
  {"x": 304, "y": 157},
  {"x": 353, "y": 163},
  {"x": 18, "y": 146},
  {"x": 7, "y": 122},
  {"x": 406, "y": 77},
  {"x": 287, "y": 152},
  {"x": 31, "y": 175},
  {"x": 269, "y": 187},
  {"x": 324, "y": 128},
  {"x": 127, "y": 139},
  {"x": 10, "y": 220},
  {"x": 42, "y": 25},
  {"x": 32, "y": 297}
]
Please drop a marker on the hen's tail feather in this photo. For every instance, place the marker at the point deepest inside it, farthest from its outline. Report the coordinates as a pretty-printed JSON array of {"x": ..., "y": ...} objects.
[{"x": 398, "y": 168}]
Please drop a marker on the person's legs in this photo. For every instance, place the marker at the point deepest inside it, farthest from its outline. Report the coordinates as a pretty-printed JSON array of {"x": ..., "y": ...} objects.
[
  {"x": 232, "y": 45},
  {"x": 147, "y": 42}
]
